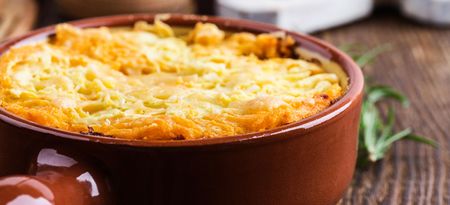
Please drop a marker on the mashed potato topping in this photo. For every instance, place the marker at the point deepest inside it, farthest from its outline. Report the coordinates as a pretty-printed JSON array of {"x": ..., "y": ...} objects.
[{"x": 148, "y": 83}]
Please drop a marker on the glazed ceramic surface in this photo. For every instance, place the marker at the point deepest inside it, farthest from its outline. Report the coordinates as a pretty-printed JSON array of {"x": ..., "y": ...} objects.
[{"x": 307, "y": 162}]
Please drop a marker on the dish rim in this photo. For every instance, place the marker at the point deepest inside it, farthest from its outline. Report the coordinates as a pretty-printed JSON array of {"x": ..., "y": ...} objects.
[{"x": 352, "y": 70}]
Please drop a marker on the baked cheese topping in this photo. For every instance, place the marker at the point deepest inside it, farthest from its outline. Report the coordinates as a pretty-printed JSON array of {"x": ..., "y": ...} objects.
[{"x": 147, "y": 83}]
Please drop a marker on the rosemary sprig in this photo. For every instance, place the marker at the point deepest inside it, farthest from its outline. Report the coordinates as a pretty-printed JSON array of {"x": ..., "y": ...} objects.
[{"x": 376, "y": 134}]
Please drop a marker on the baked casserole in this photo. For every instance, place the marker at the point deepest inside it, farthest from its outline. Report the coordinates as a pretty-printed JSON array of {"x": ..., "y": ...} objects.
[{"x": 151, "y": 82}]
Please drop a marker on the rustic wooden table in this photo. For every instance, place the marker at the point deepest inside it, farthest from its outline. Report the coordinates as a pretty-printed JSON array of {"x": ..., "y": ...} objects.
[{"x": 419, "y": 65}]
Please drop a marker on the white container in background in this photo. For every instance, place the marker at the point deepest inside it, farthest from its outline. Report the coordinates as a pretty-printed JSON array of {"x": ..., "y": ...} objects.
[
  {"x": 300, "y": 15},
  {"x": 427, "y": 11}
]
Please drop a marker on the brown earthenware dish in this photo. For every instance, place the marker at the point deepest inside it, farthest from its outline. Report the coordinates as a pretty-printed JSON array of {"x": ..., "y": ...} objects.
[{"x": 307, "y": 162}]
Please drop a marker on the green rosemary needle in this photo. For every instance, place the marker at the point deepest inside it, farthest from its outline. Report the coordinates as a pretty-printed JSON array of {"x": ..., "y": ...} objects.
[{"x": 376, "y": 134}]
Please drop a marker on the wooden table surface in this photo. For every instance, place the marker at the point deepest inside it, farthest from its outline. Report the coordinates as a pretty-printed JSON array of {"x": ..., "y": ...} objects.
[{"x": 419, "y": 65}]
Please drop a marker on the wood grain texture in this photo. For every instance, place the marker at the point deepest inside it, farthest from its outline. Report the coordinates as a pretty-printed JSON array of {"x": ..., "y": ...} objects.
[{"x": 419, "y": 65}]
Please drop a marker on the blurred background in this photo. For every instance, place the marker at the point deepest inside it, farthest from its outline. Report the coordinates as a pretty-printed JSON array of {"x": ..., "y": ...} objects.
[{"x": 18, "y": 16}]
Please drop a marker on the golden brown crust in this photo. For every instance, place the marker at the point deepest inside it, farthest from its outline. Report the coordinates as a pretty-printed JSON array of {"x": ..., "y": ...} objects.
[{"x": 232, "y": 110}]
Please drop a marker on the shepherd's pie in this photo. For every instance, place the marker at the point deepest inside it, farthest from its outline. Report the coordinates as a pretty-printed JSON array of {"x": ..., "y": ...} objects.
[{"x": 150, "y": 83}]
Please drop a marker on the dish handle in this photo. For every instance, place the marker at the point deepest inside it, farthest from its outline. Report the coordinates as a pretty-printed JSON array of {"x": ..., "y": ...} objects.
[{"x": 57, "y": 178}]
